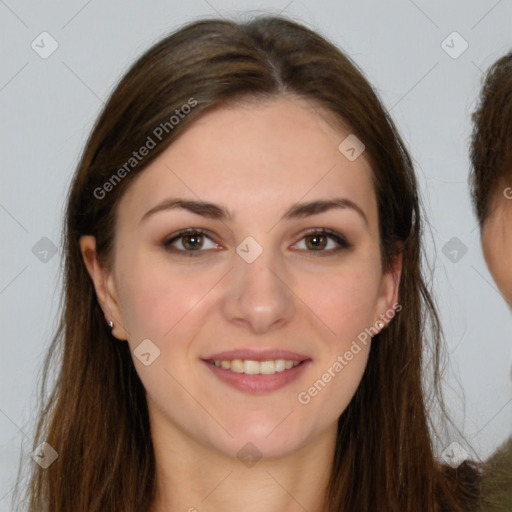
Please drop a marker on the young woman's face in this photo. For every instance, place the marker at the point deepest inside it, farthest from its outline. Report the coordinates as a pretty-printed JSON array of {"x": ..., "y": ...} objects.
[
  {"x": 497, "y": 240},
  {"x": 261, "y": 281}
]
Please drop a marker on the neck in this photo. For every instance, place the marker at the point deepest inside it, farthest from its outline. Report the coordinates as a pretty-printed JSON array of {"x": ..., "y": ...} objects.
[{"x": 191, "y": 477}]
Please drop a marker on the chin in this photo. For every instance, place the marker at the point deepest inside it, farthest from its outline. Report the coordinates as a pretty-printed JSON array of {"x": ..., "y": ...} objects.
[{"x": 263, "y": 439}]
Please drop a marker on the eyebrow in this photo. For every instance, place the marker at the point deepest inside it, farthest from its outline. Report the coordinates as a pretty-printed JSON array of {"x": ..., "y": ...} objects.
[{"x": 213, "y": 211}]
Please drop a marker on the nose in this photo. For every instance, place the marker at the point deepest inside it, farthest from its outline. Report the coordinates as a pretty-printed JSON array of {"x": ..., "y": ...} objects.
[{"x": 258, "y": 296}]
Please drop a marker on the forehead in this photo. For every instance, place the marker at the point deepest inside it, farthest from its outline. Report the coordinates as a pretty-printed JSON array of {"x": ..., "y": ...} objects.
[{"x": 250, "y": 154}]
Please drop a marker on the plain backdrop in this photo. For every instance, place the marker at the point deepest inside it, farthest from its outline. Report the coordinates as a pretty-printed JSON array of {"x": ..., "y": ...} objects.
[{"x": 425, "y": 59}]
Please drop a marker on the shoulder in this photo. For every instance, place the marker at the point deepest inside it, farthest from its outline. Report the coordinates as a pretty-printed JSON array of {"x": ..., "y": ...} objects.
[
  {"x": 497, "y": 480},
  {"x": 461, "y": 487}
]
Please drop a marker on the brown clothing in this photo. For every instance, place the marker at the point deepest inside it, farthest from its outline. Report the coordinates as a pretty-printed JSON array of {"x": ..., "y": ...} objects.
[{"x": 496, "y": 486}]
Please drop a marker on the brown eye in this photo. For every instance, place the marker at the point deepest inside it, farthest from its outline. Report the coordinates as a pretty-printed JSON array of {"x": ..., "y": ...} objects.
[
  {"x": 192, "y": 241},
  {"x": 189, "y": 242},
  {"x": 316, "y": 241},
  {"x": 324, "y": 242}
]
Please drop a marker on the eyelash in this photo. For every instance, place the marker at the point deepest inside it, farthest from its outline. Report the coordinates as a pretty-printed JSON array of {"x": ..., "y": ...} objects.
[{"x": 342, "y": 242}]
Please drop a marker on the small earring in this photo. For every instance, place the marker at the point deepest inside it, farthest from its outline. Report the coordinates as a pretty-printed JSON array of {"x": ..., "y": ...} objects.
[{"x": 111, "y": 324}]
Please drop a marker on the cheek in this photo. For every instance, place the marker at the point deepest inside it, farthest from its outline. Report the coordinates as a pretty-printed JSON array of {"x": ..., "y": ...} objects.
[
  {"x": 345, "y": 298},
  {"x": 345, "y": 301},
  {"x": 166, "y": 305},
  {"x": 155, "y": 296},
  {"x": 346, "y": 295}
]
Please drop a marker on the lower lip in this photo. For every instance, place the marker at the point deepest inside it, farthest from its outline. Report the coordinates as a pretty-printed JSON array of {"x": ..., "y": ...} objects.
[{"x": 258, "y": 383}]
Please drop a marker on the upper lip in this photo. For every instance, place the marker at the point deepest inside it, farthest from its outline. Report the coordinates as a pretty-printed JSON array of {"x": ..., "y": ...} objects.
[{"x": 257, "y": 355}]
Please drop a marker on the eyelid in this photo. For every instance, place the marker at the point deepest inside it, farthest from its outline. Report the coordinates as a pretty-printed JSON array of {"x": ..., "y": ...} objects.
[
  {"x": 168, "y": 240},
  {"x": 339, "y": 238}
]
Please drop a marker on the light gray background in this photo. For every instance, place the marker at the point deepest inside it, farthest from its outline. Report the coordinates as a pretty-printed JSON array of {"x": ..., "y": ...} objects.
[{"x": 48, "y": 107}]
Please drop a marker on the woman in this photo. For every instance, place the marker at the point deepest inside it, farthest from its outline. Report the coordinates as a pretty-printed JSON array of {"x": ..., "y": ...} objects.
[{"x": 244, "y": 312}]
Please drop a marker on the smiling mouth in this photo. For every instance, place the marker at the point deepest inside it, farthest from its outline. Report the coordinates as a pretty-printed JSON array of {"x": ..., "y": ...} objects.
[{"x": 251, "y": 367}]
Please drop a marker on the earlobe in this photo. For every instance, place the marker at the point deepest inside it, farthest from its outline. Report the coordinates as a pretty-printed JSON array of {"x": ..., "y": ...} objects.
[{"x": 103, "y": 285}]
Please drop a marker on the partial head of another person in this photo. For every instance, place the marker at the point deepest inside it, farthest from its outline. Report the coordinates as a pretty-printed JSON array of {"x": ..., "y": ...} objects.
[{"x": 491, "y": 174}]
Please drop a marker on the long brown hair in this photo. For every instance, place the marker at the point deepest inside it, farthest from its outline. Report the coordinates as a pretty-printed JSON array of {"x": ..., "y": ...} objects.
[{"x": 96, "y": 417}]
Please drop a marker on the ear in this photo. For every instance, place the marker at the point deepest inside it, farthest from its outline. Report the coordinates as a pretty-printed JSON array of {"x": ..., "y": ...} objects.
[
  {"x": 387, "y": 302},
  {"x": 104, "y": 285}
]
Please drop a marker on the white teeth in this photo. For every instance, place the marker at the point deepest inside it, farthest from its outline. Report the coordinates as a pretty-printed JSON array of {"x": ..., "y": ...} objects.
[
  {"x": 280, "y": 365},
  {"x": 251, "y": 367},
  {"x": 237, "y": 366},
  {"x": 267, "y": 367}
]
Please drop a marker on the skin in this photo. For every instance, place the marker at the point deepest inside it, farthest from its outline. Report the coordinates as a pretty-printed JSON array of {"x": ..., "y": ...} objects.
[
  {"x": 497, "y": 240},
  {"x": 256, "y": 160}
]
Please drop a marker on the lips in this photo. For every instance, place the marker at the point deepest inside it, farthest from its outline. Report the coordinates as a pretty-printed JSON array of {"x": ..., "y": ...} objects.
[
  {"x": 257, "y": 371},
  {"x": 258, "y": 383}
]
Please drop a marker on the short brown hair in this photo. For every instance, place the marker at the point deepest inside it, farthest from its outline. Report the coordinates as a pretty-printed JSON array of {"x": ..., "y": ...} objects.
[{"x": 491, "y": 143}]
